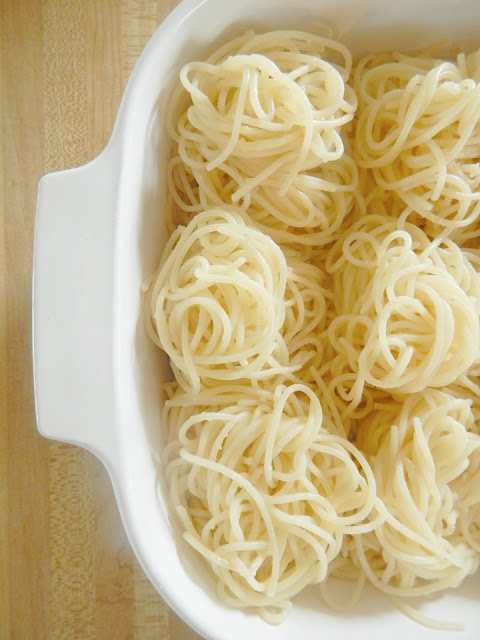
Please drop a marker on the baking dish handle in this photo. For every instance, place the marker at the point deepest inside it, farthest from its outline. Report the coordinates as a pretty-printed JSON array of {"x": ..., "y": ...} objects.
[{"x": 72, "y": 305}]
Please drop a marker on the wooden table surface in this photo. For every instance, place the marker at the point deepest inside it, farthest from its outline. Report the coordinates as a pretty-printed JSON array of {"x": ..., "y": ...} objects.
[{"x": 66, "y": 568}]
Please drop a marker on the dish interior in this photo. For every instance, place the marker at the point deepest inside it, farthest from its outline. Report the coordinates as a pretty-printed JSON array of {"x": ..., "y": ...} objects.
[{"x": 190, "y": 33}]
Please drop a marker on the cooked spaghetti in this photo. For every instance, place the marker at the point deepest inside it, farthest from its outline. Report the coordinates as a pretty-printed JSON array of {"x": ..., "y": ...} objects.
[
  {"x": 265, "y": 117},
  {"x": 266, "y": 490},
  {"x": 429, "y": 539},
  {"x": 319, "y": 299},
  {"x": 418, "y": 130}
]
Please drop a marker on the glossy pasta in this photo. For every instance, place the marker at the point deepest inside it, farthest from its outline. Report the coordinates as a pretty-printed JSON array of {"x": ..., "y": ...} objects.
[
  {"x": 264, "y": 118},
  {"x": 319, "y": 300}
]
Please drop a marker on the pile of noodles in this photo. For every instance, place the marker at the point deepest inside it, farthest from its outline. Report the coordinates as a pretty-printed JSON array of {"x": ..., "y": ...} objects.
[{"x": 319, "y": 299}]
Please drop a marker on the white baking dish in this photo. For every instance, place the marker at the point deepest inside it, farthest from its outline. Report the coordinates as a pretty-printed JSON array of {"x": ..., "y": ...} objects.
[{"x": 99, "y": 232}]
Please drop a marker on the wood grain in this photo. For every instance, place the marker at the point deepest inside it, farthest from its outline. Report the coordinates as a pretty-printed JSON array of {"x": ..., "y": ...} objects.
[
  {"x": 25, "y": 456},
  {"x": 66, "y": 568}
]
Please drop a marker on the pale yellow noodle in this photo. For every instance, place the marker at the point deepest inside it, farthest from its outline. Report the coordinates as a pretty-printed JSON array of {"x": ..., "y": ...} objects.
[
  {"x": 256, "y": 478},
  {"x": 417, "y": 134},
  {"x": 319, "y": 299},
  {"x": 422, "y": 547},
  {"x": 260, "y": 126}
]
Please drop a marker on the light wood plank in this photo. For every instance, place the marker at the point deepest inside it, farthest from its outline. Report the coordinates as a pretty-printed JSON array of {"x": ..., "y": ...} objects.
[
  {"x": 72, "y": 587},
  {"x": 4, "y": 576},
  {"x": 65, "y": 91},
  {"x": 151, "y": 614},
  {"x": 104, "y": 72},
  {"x": 26, "y": 459}
]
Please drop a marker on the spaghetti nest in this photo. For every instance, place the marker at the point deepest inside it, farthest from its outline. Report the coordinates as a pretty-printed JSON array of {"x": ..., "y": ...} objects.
[
  {"x": 416, "y": 324},
  {"x": 266, "y": 490},
  {"x": 430, "y": 536},
  {"x": 227, "y": 304},
  {"x": 216, "y": 304},
  {"x": 418, "y": 135},
  {"x": 263, "y": 131}
]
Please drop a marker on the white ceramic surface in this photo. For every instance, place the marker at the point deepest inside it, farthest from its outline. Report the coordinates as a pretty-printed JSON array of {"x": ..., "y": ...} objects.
[{"x": 99, "y": 232}]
